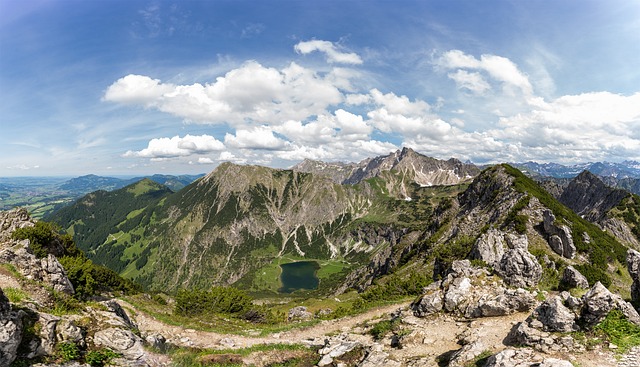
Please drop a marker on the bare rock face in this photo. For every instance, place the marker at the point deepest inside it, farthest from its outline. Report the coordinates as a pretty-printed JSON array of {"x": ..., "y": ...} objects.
[
  {"x": 11, "y": 220},
  {"x": 633, "y": 265},
  {"x": 489, "y": 247},
  {"x": 47, "y": 270},
  {"x": 10, "y": 331},
  {"x": 599, "y": 301},
  {"x": 559, "y": 236},
  {"x": 572, "y": 278}
]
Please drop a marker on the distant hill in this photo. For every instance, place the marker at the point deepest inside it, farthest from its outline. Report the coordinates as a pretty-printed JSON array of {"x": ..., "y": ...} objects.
[{"x": 88, "y": 183}]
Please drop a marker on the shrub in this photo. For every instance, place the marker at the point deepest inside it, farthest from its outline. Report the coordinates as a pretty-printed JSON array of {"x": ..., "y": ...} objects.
[
  {"x": 216, "y": 300},
  {"x": 68, "y": 351},
  {"x": 620, "y": 331},
  {"x": 100, "y": 358}
]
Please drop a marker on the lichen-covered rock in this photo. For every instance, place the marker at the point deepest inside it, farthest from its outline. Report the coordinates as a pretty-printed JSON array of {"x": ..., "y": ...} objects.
[
  {"x": 489, "y": 247},
  {"x": 572, "y": 278},
  {"x": 47, "y": 270},
  {"x": 432, "y": 302}
]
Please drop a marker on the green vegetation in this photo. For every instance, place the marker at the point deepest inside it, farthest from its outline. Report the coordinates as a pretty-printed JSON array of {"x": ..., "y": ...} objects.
[
  {"x": 15, "y": 295},
  {"x": 226, "y": 300},
  {"x": 619, "y": 331},
  {"x": 68, "y": 351},
  {"x": 100, "y": 357},
  {"x": 380, "y": 329},
  {"x": 87, "y": 278}
]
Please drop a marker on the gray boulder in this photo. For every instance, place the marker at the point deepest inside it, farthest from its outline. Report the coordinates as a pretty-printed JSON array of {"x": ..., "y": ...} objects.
[
  {"x": 572, "y": 278},
  {"x": 599, "y": 301},
  {"x": 489, "y": 247},
  {"x": 299, "y": 313},
  {"x": 519, "y": 268},
  {"x": 120, "y": 341},
  {"x": 554, "y": 316}
]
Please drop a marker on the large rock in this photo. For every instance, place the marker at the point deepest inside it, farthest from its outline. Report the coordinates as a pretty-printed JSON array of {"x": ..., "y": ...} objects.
[
  {"x": 633, "y": 265},
  {"x": 572, "y": 278},
  {"x": 120, "y": 341},
  {"x": 519, "y": 268},
  {"x": 559, "y": 236},
  {"x": 554, "y": 316},
  {"x": 11, "y": 220},
  {"x": 10, "y": 331},
  {"x": 299, "y": 313},
  {"x": 599, "y": 301},
  {"x": 489, "y": 247}
]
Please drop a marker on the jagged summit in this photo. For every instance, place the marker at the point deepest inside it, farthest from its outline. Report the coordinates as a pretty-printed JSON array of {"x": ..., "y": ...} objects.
[
  {"x": 588, "y": 196},
  {"x": 418, "y": 168}
]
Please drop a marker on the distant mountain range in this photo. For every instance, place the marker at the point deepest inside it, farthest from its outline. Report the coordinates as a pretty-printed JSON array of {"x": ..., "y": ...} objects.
[{"x": 90, "y": 183}]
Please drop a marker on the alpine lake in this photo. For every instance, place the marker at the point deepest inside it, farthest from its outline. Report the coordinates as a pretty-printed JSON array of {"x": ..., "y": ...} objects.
[{"x": 299, "y": 275}]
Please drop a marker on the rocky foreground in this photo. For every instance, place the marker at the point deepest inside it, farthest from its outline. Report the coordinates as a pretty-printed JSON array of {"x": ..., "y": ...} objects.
[{"x": 473, "y": 316}]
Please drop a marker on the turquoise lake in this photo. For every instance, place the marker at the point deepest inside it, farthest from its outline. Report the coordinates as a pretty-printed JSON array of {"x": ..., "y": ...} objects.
[{"x": 299, "y": 275}]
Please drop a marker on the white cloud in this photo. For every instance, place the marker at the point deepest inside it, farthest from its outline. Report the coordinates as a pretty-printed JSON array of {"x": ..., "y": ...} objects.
[
  {"x": 499, "y": 68},
  {"x": 251, "y": 93},
  {"x": 259, "y": 137},
  {"x": 136, "y": 89},
  {"x": 162, "y": 148},
  {"x": 330, "y": 50},
  {"x": 474, "y": 82},
  {"x": 205, "y": 160}
]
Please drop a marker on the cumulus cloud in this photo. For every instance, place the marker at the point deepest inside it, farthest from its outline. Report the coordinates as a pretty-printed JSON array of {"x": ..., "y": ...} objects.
[
  {"x": 178, "y": 147},
  {"x": 499, "y": 68},
  {"x": 251, "y": 93},
  {"x": 330, "y": 50},
  {"x": 259, "y": 137},
  {"x": 473, "y": 82}
]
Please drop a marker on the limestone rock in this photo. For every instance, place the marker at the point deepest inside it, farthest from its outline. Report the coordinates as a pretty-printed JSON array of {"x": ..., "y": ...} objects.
[
  {"x": 599, "y": 301},
  {"x": 429, "y": 304},
  {"x": 559, "y": 236},
  {"x": 335, "y": 348},
  {"x": 633, "y": 265},
  {"x": 299, "y": 313},
  {"x": 47, "y": 270},
  {"x": 554, "y": 316},
  {"x": 119, "y": 316},
  {"x": 121, "y": 341},
  {"x": 519, "y": 268},
  {"x": 468, "y": 352},
  {"x": 572, "y": 278},
  {"x": 10, "y": 331},
  {"x": 489, "y": 247}
]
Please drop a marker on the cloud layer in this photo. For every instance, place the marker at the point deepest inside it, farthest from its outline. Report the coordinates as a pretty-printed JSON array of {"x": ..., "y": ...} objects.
[{"x": 278, "y": 116}]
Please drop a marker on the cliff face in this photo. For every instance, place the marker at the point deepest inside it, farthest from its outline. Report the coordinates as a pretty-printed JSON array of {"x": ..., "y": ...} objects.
[{"x": 589, "y": 197}]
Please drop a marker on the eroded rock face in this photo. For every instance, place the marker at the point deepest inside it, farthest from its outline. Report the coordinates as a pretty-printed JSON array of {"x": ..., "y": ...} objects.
[
  {"x": 10, "y": 331},
  {"x": 489, "y": 247},
  {"x": 559, "y": 236},
  {"x": 299, "y": 313},
  {"x": 599, "y": 301},
  {"x": 554, "y": 316},
  {"x": 633, "y": 265}
]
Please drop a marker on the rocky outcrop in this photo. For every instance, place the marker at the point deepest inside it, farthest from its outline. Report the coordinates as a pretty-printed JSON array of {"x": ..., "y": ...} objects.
[
  {"x": 558, "y": 235},
  {"x": 121, "y": 341},
  {"x": 335, "y": 348},
  {"x": 565, "y": 313},
  {"x": 507, "y": 253},
  {"x": 11, "y": 220},
  {"x": 10, "y": 331},
  {"x": 47, "y": 270},
  {"x": 633, "y": 265},
  {"x": 572, "y": 278},
  {"x": 471, "y": 292}
]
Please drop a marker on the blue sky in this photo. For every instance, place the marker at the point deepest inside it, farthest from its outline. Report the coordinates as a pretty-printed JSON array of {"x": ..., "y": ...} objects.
[{"x": 137, "y": 87}]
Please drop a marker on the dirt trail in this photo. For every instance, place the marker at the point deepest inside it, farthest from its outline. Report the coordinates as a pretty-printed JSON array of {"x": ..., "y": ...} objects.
[{"x": 206, "y": 339}]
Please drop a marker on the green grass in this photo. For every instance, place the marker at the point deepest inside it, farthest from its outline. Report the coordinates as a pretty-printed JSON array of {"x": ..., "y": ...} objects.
[
  {"x": 619, "y": 331},
  {"x": 15, "y": 295}
]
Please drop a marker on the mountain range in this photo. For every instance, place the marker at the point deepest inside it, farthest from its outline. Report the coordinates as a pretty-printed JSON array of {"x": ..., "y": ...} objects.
[{"x": 237, "y": 224}]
